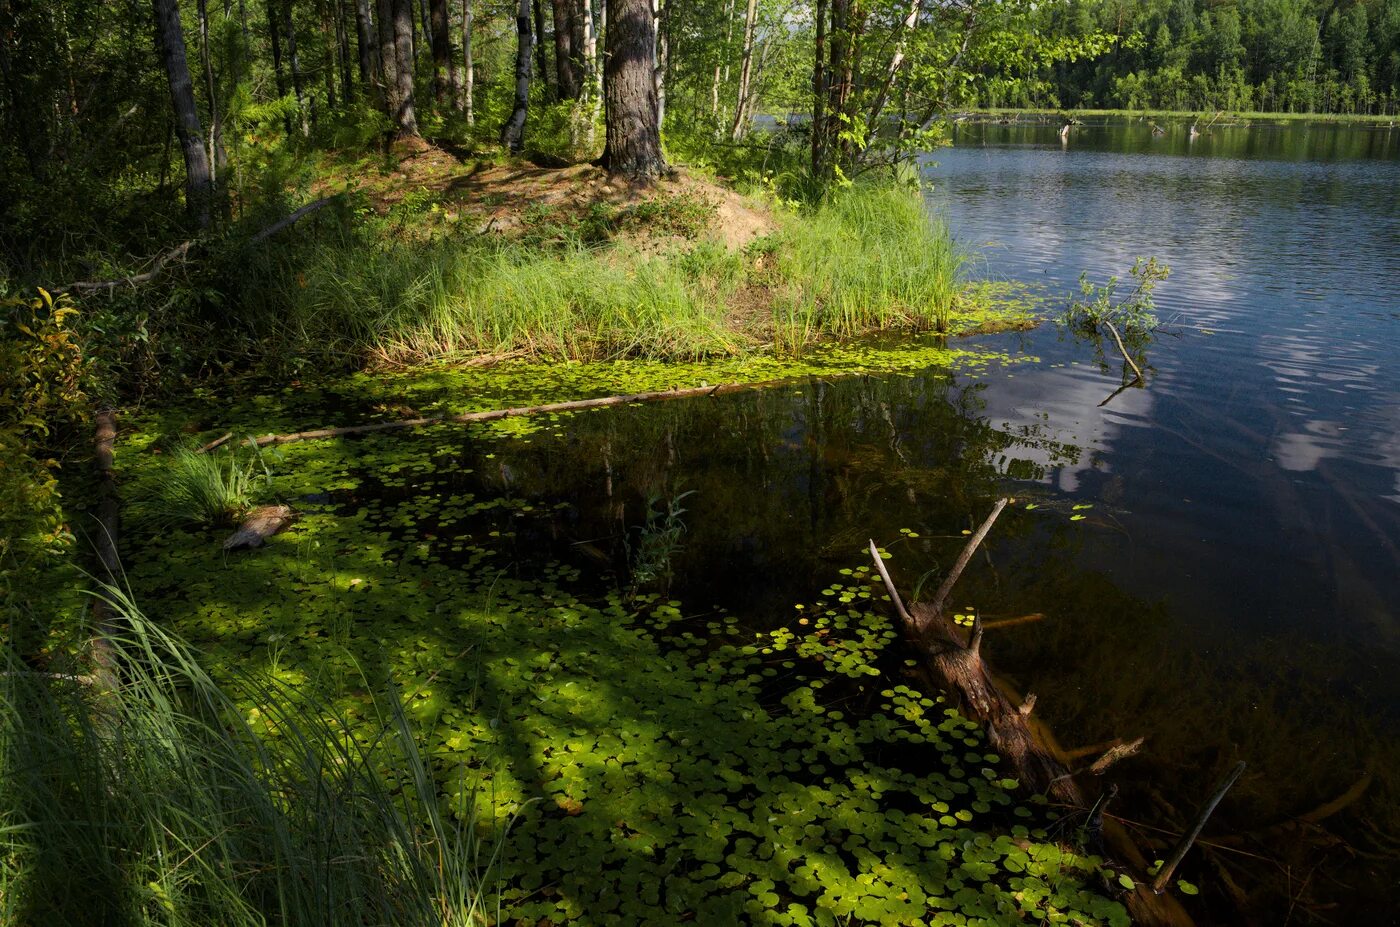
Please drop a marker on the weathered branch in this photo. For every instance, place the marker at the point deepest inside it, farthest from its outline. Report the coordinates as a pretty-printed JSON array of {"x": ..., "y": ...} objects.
[
  {"x": 1164, "y": 876},
  {"x": 95, "y": 286},
  {"x": 1112, "y": 330},
  {"x": 940, "y": 600}
]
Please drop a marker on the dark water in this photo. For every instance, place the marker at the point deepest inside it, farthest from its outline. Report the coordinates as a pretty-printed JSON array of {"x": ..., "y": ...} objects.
[{"x": 1216, "y": 556}]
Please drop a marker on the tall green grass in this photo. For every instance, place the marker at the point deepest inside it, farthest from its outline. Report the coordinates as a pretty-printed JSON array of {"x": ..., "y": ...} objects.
[
  {"x": 868, "y": 258},
  {"x": 214, "y": 488},
  {"x": 157, "y": 803}
]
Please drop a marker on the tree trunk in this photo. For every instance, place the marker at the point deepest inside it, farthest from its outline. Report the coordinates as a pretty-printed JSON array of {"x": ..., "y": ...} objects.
[
  {"x": 661, "y": 56},
  {"x": 819, "y": 96},
  {"x": 323, "y": 14},
  {"x": 210, "y": 91},
  {"x": 633, "y": 146},
  {"x": 405, "y": 117},
  {"x": 388, "y": 59},
  {"x": 542, "y": 51},
  {"x": 366, "y": 42},
  {"x": 723, "y": 60},
  {"x": 342, "y": 38},
  {"x": 469, "y": 77},
  {"x": 736, "y": 130},
  {"x": 442, "y": 49},
  {"x": 295, "y": 64},
  {"x": 274, "y": 35},
  {"x": 513, "y": 132},
  {"x": 170, "y": 43},
  {"x": 565, "y": 61}
]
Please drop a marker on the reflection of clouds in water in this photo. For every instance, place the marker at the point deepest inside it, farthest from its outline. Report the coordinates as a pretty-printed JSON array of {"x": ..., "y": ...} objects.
[
  {"x": 1375, "y": 443},
  {"x": 1066, "y": 405}
]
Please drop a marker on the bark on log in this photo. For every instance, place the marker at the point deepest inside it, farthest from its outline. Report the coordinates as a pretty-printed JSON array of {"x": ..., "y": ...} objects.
[{"x": 259, "y": 525}]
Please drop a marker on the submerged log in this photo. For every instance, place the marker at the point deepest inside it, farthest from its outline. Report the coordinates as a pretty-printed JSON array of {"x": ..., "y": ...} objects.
[
  {"x": 955, "y": 666},
  {"x": 491, "y": 415},
  {"x": 259, "y": 525}
]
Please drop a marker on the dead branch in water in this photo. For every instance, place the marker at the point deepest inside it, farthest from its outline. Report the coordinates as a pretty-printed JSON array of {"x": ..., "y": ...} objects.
[
  {"x": 1164, "y": 877},
  {"x": 957, "y": 667},
  {"x": 1112, "y": 330}
]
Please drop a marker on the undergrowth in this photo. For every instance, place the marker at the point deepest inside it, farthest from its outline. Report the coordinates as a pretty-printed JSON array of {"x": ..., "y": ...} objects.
[{"x": 157, "y": 803}]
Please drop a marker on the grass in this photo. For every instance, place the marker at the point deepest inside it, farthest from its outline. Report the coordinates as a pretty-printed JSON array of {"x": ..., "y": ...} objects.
[
  {"x": 166, "y": 801},
  {"x": 868, "y": 258},
  {"x": 214, "y": 488}
]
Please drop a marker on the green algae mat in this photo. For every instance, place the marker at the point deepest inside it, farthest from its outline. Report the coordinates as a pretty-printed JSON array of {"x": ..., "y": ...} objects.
[{"x": 630, "y": 758}]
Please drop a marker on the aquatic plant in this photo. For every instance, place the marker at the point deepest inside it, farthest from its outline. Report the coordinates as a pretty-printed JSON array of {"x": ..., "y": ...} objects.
[
  {"x": 652, "y": 544},
  {"x": 1132, "y": 314}
]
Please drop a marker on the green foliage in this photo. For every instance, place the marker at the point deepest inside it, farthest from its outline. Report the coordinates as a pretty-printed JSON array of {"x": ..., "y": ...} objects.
[
  {"x": 1132, "y": 314},
  {"x": 652, "y": 544},
  {"x": 214, "y": 489},
  {"x": 869, "y": 258},
  {"x": 42, "y": 399},
  {"x": 171, "y": 799}
]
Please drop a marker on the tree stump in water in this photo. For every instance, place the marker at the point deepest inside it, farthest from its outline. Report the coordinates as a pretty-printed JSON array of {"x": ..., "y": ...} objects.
[{"x": 259, "y": 525}]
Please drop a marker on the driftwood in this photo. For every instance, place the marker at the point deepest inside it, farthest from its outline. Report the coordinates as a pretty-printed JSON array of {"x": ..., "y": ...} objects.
[
  {"x": 178, "y": 253},
  {"x": 492, "y": 415},
  {"x": 1113, "y": 330},
  {"x": 955, "y": 665},
  {"x": 259, "y": 525}
]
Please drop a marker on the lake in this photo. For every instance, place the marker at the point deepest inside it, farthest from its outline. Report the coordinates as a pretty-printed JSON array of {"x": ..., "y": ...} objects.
[{"x": 1256, "y": 480}]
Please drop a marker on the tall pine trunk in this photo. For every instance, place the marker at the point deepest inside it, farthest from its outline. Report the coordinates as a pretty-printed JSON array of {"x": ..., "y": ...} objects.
[
  {"x": 565, "y": 55},
  {"x": 170, "y": 43},
  {"x": 513, "y": 132},
  {"x": 388, "y": 59},
  {"x": 295, "y": 64},
  {"x": 542, "y": 51},
  {"x": 442, "y": 49},
  {"x": 469, "y": 77},
  {"x": 633, "y": 145},
  {"x": 405, "y": 117},
  {"x": 274, "y": 35},
  {"x": 366, "y": 42}
]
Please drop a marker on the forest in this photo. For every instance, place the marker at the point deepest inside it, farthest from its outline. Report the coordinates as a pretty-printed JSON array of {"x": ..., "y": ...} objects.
[{"x": 1254, "y": 55}]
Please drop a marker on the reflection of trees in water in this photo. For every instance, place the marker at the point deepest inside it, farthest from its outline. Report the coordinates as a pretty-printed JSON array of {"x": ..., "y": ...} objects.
[{"x": 788, "y": 483}]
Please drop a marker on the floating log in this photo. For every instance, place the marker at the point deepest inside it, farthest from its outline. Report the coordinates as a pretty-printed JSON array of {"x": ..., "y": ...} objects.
[
  {"x": 956, "y": 667},
  {"x": 259, "y": 525}
]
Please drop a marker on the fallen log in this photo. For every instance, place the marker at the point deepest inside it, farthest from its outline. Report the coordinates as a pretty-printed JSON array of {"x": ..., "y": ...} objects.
[
  {"x": 259, "y": 525},
  {"x": 95, "y": 286},
  {"x": 955, "y": 666},
  {"x": 491, "y": 415}
]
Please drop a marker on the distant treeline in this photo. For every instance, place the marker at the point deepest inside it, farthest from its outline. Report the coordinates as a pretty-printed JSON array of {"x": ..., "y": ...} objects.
[{"x": 1334, "y": 56}]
